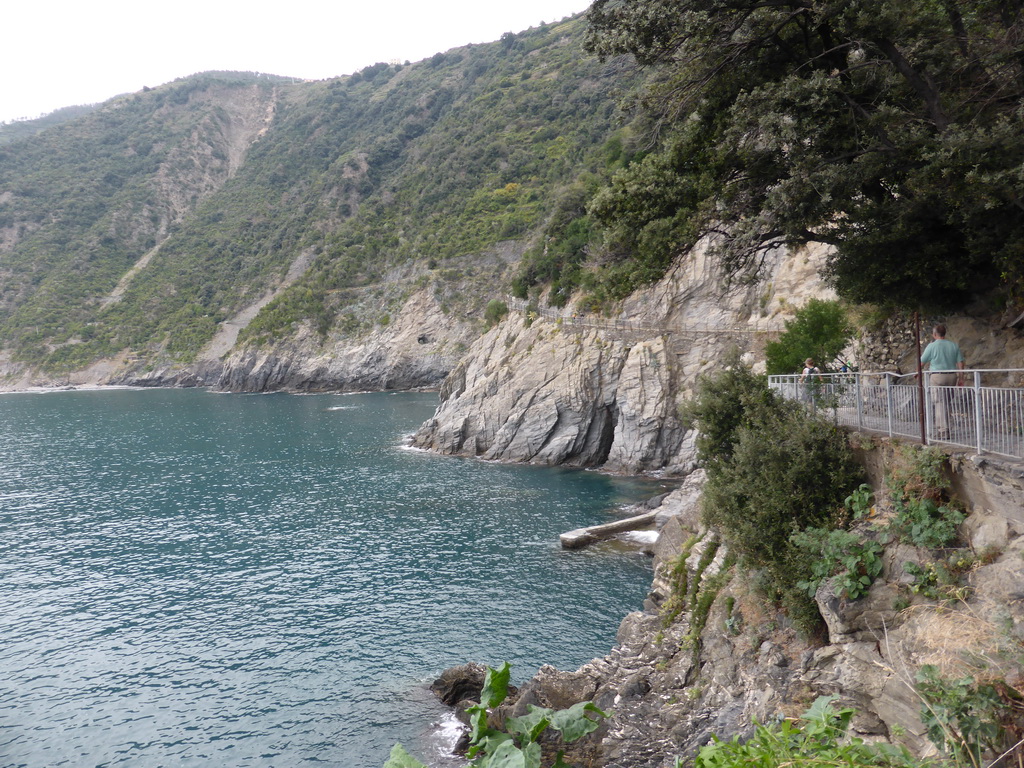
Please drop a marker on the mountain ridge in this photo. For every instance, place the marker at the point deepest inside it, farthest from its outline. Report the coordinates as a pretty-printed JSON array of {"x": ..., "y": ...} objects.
[{"x": 243, "y": 174}]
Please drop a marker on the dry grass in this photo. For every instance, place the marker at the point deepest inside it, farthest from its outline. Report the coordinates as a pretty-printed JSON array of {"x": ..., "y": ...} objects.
[{"x": 962, "y": 643}]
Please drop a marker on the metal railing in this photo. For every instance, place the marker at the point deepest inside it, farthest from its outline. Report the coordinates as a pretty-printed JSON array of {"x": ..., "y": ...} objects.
[{"x": 984, "y": 413}]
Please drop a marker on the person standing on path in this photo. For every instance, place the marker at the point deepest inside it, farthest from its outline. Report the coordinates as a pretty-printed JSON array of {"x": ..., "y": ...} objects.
[
  {"x": 944, "y": 362},
  {"x": 810, "y": 380},
  {"x": 810, "y": 369}
]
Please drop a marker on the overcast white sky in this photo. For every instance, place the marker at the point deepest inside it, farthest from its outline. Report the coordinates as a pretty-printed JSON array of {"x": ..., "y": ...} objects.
[{"x": 57, "y": 53}]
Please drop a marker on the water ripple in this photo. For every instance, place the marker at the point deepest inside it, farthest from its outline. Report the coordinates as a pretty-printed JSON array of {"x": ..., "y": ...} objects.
[{"x": 189, "y": 579}]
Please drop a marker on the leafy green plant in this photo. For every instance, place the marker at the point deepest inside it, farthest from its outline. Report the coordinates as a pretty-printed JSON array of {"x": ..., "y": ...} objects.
[
  {"x": 399, "y": 758},
  {"x": 852, "y": 563},
  {"x": 818, "y": 739},
  {"x": 859, "y": 502},
  {"x": 927, "y": 579},
  {"x": 936, "y": 581},
  {"x": 733, "y": 621},
  {"x": 919, "y": 489},
  {"x": 962, "y": 715},
  {"x": 924, "y": 523},
  {"x": 518, "y": 745}
]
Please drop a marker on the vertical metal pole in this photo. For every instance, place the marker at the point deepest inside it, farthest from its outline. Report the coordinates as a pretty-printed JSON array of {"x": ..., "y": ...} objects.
[
  {"x": 888, "y": 400},
  {"x": 860, "y": 404},
  {"x": 977, "y": 410},
  {"x": 921, "y": 389}
]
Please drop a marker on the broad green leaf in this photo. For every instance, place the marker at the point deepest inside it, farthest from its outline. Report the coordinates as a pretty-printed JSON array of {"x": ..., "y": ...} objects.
[
  {"x": 477, "y": 726},
  {"x": 820, "y": 709},
  {"x": 495, "y": 686},
  {"x": 531, "y": 725},
  {"x": 399, "y": 758},
  {"x": 489, "y": 745},
  {"x": 508, "y": 755},
  {"x": 531, "y": 755},
  {"x": 574, "y": 723},
  {"x": 505, "y": 755}
]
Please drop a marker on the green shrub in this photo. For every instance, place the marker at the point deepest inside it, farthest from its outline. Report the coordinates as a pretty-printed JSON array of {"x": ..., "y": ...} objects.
[
  {"x": 774, "y": 470},
  {"x": 789, "y": 471},
  {"x": 726, "y": 400},
  {"x": 962, "y": 716},
  {"x": 852, "y": 563},
  {"x": 820, "y": 329},
  {"x": 494, "y": 312},
  {"x": 859, "y": 502},
  {"x": 818, "y": 740}
]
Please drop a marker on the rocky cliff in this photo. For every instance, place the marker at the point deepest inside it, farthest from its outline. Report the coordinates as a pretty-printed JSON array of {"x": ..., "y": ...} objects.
[
  {"x": 584, "y": 391},
  {"x": 415, "y": 349},
  {"x": 706, "y": 657}
]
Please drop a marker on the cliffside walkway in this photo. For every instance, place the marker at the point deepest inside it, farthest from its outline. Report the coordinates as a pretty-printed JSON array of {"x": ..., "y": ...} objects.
[
  {"x": 635, "y": 329},
  {"x": 985, "y": 415}
]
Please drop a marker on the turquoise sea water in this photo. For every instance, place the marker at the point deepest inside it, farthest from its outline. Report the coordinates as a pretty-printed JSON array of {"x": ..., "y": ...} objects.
[{"x": 195, "y": 579}]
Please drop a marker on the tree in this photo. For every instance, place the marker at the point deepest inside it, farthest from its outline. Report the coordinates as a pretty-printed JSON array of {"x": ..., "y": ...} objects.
[
  {"x": 888, "y": 130},
  {"x": 820, "y": 330}
]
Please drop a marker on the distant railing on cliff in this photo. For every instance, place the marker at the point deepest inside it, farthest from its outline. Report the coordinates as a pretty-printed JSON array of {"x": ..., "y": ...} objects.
[
  {"x": 630, "y": 326},
  {"x": 985, "y": 413}
]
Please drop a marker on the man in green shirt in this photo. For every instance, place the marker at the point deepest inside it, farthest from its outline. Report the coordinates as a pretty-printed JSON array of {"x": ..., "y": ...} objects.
[{"x": 943, "y": 359}]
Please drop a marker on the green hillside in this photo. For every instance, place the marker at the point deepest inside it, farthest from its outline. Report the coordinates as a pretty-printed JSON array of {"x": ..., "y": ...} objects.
[
  {"x": 224, "y": 179},
  {"x": 21, "y": 129},
  {"x": 893, "y": 137}
]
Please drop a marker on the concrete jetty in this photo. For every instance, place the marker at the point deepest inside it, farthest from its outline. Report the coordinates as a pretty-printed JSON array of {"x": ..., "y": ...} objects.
[{"x": 581, "y": 537}]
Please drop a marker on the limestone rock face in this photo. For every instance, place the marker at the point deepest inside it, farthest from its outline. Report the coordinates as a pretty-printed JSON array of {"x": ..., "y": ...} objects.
[
  {"x": 554, "y": 395},
  {"x": 647, "y": 434},
  {"x": 536, "y": 393},
  {"x": 416, "y": 349},
  {"x": 591, "y": 393}
]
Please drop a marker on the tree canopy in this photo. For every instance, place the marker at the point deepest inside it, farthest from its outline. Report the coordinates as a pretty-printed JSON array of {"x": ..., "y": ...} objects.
[
  {"x": 891, "y": 130},
  {"x": 819, "y": 330}
]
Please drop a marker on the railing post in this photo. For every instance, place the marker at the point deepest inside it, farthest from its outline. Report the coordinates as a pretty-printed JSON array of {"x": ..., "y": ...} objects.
[
  {"x": 860, "y": 403},
  {"x": 888, "y": 401},
  {"x": 926, "y": 391},
  {"x": 977, "y": 410}
]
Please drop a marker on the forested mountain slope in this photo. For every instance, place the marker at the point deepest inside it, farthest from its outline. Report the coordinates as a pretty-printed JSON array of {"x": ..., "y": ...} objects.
[
  {"x": 136, "y": 230},
  {"x": 267, "y": 222}
]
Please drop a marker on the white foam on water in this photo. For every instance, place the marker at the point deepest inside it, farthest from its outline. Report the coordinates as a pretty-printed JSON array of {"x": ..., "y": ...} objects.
[
  {"x": 444, "y": 735},
  {"x": 641, "y": 537},
  {"x": 406, "y": 446}
]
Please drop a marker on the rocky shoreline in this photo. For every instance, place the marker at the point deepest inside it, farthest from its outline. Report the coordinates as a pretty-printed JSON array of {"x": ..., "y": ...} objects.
[{"x": 673, "y": 681}]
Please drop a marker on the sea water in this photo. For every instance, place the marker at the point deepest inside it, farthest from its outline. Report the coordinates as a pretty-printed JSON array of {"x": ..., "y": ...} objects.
[{"x": 194, "y": 579}]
